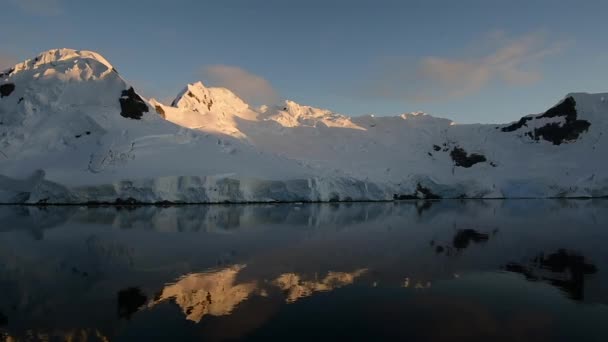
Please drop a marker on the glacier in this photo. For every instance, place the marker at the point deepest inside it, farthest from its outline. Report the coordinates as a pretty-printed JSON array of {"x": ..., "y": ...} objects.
[{"x": 73, "y": 131}]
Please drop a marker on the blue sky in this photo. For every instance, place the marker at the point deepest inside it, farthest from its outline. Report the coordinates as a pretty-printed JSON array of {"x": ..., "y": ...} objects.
[{"x": 471, "y": 61}]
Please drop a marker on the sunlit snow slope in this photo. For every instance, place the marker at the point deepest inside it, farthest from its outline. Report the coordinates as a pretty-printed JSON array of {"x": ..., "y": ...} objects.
[{"x": 73, "y": 131}]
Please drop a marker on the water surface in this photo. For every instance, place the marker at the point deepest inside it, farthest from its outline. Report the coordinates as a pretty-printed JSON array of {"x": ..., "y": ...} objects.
[{"x": 531, "y": 270}]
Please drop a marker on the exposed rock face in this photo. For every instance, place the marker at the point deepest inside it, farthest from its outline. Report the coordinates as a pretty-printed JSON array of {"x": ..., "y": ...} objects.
[
  {"x": 6, "y": 89},
  {"x": 160, "y": 110},
  {"x": 132, "y": 105},
  {"x": 555, "y": 132},
  {"x": 463, "y": 159}
]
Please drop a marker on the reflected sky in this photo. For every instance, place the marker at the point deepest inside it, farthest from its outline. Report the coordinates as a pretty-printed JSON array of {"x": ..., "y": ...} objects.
[{"x": 478, "y": 270}]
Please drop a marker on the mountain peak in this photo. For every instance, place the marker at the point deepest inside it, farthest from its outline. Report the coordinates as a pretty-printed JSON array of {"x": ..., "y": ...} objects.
[
  {"x": 65, "y": 57},
  {"x": 200, "y": 98}
]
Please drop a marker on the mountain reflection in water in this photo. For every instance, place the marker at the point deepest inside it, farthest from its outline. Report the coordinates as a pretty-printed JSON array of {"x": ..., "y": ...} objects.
[{"x": 475, "y": 270}]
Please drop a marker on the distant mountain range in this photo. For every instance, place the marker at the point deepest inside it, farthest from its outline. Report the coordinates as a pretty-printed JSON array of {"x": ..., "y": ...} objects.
[{"x": 73, "y": 131}]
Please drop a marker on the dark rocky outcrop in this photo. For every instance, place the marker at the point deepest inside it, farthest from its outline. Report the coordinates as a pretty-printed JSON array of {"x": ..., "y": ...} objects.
[
  {"x": 420, "y": 193},
  {"x": 463, "y": 159},
  {"x": 129, "y": 301},
  {"x": 160, "y": 110},
  {"x": 566, "y": 108},
  {"x": 194, "y": 96},
  {"x": 556, "y": 133},
  {"x": 6, "y": 89},
  {"x": 568, "y": 131},
  {"x": 7, "y": 72},
  {"x": 519, "y": 124},
  {"x": 132, "y": 105}
]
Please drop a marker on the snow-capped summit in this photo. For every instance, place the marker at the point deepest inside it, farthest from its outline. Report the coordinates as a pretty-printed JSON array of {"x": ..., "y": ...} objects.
[
  {"x": 63, "y": 80},
  {"x": 292, "y": 114},
  {"x": 89, "y": 63},
  {"x": 72, "y": 130},
  {"x": 210, "y": 109}
]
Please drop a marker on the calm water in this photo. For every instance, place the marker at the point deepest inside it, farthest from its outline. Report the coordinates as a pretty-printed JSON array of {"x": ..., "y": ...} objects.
[{"x": 531, "y": 270}]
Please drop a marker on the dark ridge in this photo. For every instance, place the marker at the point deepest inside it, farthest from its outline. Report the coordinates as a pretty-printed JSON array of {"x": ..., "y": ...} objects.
[
  {"x": 114, "y": 70},
  {"x": 519, "y": 124},
  {"x": 129, "y": 301},
  {"x": 132, "y": 106},
  {"x": 436, "y": 148},
  {"x": 20, "y": 100},
  {"x": 160, "y": 111},
  {"x": 7, "y": 72},
  {"x": 6, "y": 89},
  {"x": 210, "y": 104},
  {"x": 554, "y": 132},
  {"x": 570, "y": 130},
  {"x": 568, "y": 270},
  {"x": 566, "y": 108},
  {"x": 464, "y": 237},
  {"x": 461, "y": 158}
]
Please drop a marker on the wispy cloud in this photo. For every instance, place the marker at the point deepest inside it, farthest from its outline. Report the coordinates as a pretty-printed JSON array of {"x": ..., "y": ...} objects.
[
  {"x": 40, "y": 7},
  {"x": 250, "y": 87},
  {"x": 511, "y": 62}
]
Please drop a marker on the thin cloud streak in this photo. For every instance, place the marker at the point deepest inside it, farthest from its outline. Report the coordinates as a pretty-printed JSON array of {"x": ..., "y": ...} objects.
[
  {"x": 512, "y": 62},
  {"x": 252, "y": 88}
]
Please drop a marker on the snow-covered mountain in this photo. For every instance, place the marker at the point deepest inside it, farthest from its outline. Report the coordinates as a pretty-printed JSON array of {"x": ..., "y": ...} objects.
[{"x": 72, "y": 130}]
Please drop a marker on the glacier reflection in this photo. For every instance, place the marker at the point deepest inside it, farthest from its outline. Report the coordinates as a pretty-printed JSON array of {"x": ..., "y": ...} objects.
[{"x": 230, "y": 272}]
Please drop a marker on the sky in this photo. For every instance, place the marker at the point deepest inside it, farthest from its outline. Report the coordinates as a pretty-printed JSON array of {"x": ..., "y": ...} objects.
[{"x": 470, "y": 61}]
